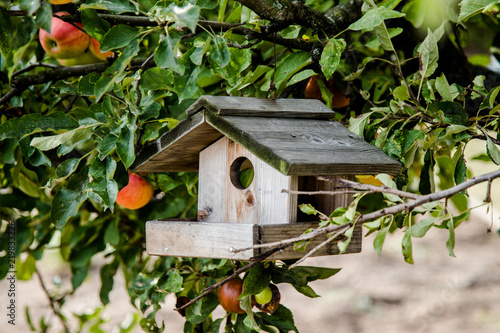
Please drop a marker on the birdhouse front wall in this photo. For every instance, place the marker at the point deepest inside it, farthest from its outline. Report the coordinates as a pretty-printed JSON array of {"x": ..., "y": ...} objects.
[{"x": 222, "y": 199}]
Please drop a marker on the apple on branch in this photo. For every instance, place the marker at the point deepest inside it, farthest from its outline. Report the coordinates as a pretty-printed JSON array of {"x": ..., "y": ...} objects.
[
  {"x": 136, "y": 194},
  {"x": 64, "y": 41},
  {"x": 96, "y": 51}
]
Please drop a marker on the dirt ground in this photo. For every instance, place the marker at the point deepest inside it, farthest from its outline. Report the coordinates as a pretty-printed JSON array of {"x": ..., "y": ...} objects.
[{"x": 371, "y": 293}]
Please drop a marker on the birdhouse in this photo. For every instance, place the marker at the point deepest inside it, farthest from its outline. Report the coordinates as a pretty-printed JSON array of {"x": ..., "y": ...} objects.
[{"x": 254, "y": 157}]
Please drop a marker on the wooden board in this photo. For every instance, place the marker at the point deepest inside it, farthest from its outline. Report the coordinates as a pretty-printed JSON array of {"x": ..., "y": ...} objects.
[
  {"x": 200, "y": 239},
  {"x": 220, "y": 201},
  {"x": 309, "y": 146},
  {"x": 214, "y": 240},
  {"x": 178, "y": 149},
  {"x": 262, "y": 107}
]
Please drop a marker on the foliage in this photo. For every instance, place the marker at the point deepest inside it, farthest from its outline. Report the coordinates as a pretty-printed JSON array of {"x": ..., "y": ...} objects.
[{"x": 419, "y": 90}]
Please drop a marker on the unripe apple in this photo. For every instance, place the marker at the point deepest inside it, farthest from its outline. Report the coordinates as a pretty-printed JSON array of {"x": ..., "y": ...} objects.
[
  {"x": 264, "y": 296},
  {"x": 85, "y": 58},
  {"x": 64, "y": 40},
  {"x": 94, "y": 48},
  {"x": 228, "y": 294},
  {"x": 273, "y": 298},
  {"x": 136, "y": 194},
  {"x": 60, "y": 2}
]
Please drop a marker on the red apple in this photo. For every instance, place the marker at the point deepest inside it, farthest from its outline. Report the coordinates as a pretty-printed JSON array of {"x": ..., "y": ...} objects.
[
  {"x": 60, "y": 2},
  {"x": 136, "y": 194},
  {"x": 94, "y": 48},
  {"x": 64, "y": 40}
]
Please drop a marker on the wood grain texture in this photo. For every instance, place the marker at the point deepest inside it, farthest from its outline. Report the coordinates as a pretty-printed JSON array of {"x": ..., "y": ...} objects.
[
  {"x": 214, "y": 240},
  {"x": 219, "y": 200},
  {"x": 262, "y": 107},
  {"x": 200, "y": 239},
  {"x": 299, "y": 147}
]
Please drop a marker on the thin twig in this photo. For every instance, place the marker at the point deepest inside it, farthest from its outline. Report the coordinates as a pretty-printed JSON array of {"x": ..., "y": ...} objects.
[
  {"x": 324, "y": 243},
  {"x": 320, "y": 231},
  {"x": 373, "y": 188},
  {"x": 318, "y": 192},
  {"x": 57, "y": 312},
  {"x": 243, "y": 269},
  {"x": 33, "y": 66}
]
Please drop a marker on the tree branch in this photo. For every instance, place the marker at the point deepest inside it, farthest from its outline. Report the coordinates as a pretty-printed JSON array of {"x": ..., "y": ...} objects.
[
  {"x": 371, "y": 188},
  {"x": 287, "y": 12},
  {"x": 243, "y": 269},
  {"x": 430, "y": 197}
]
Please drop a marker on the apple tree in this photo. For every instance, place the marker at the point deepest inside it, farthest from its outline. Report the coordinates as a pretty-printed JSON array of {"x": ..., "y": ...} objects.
[{"x": 86, "y": 84}]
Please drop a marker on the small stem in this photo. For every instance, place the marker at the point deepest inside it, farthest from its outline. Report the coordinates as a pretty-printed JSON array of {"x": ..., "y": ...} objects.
[
  {"x": 52, "y": 302},
  {"x": 328, "y": 240},
  {"x": 243, "y": 269}
]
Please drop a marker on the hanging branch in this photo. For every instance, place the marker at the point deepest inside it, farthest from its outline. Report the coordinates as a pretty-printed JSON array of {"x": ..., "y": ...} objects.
[{"x": 243, "y": 269}]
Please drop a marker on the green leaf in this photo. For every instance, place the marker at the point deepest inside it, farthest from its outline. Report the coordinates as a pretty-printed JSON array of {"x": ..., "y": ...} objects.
[
  {"x": 406, "y": 246},
  {"x": 173, "y": 283},
  {"x": 450, "y": 243},
  {"x": 378, "y": 241},
  {"x": 492, "y": 150},
  {"x": 114, "y": 73},
  {"x": 240, "y": 60},
  {"x": 308, "y": 209},
  {"x": 357, "y": 125},
  {"x": 114, "y": 6},
  {"x": 185, "y": 16},
  {"x": 125, "y": 144},
  {"x": 200, "y": 310},
  {"x": 95, "y": 26},
  {"x": 69, "y": 199},
  {"x": 119, "y": 36},
  {"x": 382, "y": 38},
  {"x": 35, "y": 122},
  {"x": 69, "y": 138},
  {"x": 157, "y": 78},
  {"x": 107, "y": 145},
  {"x": 420, "y": 229},
  {"x": 6, "y": 32},
  {"x": 166, "y": 53},
  {"x": 44, "y": 16},
  {"x": 444, "y": 89},
  {"x": 112, "y": 233},
  {"x": 102, "y": 182},
  {"x": 67, "y": 167},
  {"x": 460, "y": 174},
  {"x": 86, "y": 85},
  {"x": 25, "y": 179},
  {"x": 257, "y": 279},
  {"x": 219, "y": 52},
  {"x": 470, "y": 8},
  {"x": 306, "y": 291},
  {"x": 107, "y": 273},
  {"x": 222, "y": 10},
  {"x": 428, "y": 55},
  {"x": 316, "y": 273},
  {"x": 330, "y": 58},
  {"x": 374, "y": 18}
]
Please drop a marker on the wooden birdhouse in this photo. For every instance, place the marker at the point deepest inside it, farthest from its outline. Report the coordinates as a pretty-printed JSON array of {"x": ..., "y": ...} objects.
[{"x": 253, "y": 156}]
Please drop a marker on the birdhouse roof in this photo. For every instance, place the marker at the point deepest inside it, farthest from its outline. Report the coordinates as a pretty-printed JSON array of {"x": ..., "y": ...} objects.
[{"x": 295, "y": 136}]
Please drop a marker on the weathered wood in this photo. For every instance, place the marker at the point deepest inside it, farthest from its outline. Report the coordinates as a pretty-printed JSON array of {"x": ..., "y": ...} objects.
[
  {"x": 274, "y": 233},
  {"x": 178, "y": 149},
  {"x": 200, "y": 239},
  {"x": 305, "y": 146},
  {"x": 299, "y": 147},
  {"x": 215, "y": 240},
  {"x": 262, "y": 107},
  {"x": 219, "y": 200}
]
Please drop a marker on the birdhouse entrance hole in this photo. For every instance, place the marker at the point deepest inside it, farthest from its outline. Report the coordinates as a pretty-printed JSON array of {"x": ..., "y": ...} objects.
[{"x": 241, "y": 173}]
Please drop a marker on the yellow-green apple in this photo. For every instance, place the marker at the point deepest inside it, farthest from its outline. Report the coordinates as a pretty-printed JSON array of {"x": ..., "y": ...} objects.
[
  {"x": 64, "y": 40},
  {"x": 60, "y": 2},
  {"x": 94, "y": 47},
  {"x": 85, "y": 58},
  {"x": 136, "y": 194}
]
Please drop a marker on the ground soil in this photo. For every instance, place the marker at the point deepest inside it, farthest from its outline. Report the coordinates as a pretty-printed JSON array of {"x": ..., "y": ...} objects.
[{"x": 371, "y": 293}]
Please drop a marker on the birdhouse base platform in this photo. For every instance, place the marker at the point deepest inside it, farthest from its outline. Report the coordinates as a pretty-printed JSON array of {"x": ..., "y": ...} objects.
[{"x": 219, "y": 240}]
